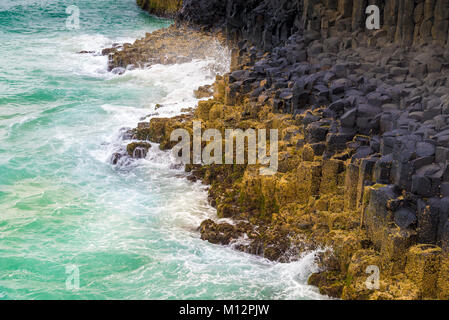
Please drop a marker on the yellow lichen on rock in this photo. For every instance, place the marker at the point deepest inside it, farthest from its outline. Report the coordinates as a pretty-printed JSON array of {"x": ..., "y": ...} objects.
[
  {"x": 443, "y": 278},
  {"x": 423, "y": 264}
]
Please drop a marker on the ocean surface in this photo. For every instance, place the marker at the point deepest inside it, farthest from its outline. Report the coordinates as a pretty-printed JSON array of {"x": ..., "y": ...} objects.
[{"x": 67, "y": 215}]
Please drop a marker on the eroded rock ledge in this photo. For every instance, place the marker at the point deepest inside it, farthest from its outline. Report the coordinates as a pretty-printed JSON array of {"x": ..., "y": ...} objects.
[{"x": 364, "y": 126}]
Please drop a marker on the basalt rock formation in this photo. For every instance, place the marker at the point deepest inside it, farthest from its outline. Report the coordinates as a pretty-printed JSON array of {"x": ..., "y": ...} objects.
[
  {"x": 363, "y": 120},
  {"x": 162, "y": 8},
  {"x": 269, "y": 23}
]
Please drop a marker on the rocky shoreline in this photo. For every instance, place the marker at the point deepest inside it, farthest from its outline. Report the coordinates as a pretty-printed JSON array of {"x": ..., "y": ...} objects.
[
  {"x": 363, "y": 119},
  {"x": 161, "y": 8}
]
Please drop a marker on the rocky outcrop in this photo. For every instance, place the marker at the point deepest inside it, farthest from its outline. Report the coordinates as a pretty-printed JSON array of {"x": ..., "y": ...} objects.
[
  {"x": 138, "y": 150},
  {"x": 363, "y": 119},
  {"x": 372, "y": 109},
  {"x": 171, "y": 45},
  {"x": 269, "y": 23},
  {"x": 162, "y": 8}
]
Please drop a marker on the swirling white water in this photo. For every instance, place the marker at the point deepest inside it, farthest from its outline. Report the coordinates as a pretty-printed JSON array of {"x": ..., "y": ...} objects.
[{"x": 130, "y": 230}]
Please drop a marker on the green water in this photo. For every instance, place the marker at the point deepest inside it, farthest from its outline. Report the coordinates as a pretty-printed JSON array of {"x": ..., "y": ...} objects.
[{"x": 129, "y": 229}]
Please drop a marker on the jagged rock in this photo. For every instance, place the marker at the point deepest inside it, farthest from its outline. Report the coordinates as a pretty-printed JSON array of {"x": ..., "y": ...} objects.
[
  {"x": 425, "y": 149},
  {"x": 315, "y": 61},
  {"x": 316, "y": 132},
  {"x": 108, "y": 51},
  {"x": 138, "y": 150},
  {"x": 405, "y": 218},
  {"x": 423, "y": 262},
  {"x": 337, "y": 141},
  {"x": 340, "y": 85},
  {"x": 222, "y": 233},
  {"x": 422, "y": 162},
  {"x": 339, "y": 105},
  {"x": 115, "y": 158},
  {"x": 167, "y": 8},
  {"x": 362, "y": 152}
]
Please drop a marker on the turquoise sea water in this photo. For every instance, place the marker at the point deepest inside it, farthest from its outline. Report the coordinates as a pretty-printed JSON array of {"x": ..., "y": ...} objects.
[{"x": 130, "y": 230}]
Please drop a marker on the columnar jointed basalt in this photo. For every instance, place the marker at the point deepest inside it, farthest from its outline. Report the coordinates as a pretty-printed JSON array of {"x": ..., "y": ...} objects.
[{"x": 364, "y": 125}]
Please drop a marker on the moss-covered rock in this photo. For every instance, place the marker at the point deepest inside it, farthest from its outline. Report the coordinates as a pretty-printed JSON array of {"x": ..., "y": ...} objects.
[{"x": 164, "y": 8}]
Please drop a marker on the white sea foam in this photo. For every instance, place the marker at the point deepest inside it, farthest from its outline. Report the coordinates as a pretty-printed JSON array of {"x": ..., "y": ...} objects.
[{"x": 296, "y": 275}]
